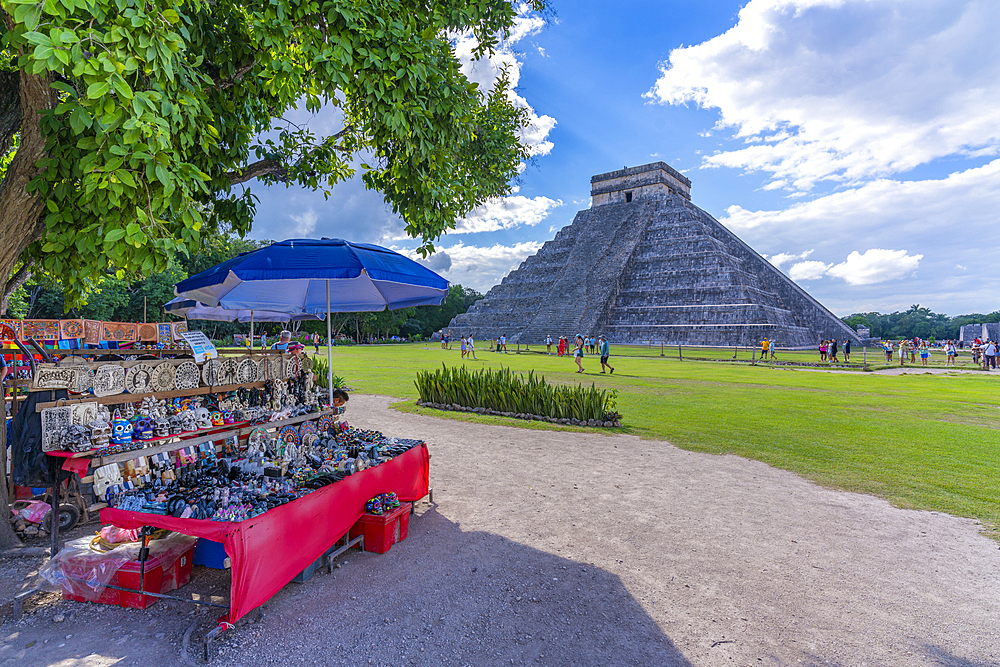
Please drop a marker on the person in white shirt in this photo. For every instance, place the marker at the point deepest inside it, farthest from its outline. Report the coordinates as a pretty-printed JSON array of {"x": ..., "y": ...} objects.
[
  {"x": 548, "y": 344},
  {"x": 472, "y": 347}
]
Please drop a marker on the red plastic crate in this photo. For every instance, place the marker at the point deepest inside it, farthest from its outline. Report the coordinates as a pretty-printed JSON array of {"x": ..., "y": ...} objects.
[
  {"x": 382, "y": 531},
  {"x": 157, "y": 580}
]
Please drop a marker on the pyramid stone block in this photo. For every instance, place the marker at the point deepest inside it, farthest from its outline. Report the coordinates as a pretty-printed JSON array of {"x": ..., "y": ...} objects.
[{"x": 644, "y": 264}]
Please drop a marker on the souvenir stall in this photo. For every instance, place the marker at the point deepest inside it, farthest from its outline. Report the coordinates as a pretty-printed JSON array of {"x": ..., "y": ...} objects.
[{"x": 241, "y": 450}]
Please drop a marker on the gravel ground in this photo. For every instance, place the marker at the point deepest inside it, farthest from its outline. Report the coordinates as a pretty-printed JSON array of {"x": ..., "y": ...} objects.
[{"x": 560, "y": 548}]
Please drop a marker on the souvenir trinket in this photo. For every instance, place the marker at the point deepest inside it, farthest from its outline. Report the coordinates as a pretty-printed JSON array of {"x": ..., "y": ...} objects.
[
  {"x": 161, "y": 427},
  {"x": 139, "y": 378},
  {"x": 187, "y": 376},
  {"x": 109, "y": 380},
  {"x": 121, "y": 430},
  {"x": 217, "y": 419},
  {"x": 100, "y": 433}
]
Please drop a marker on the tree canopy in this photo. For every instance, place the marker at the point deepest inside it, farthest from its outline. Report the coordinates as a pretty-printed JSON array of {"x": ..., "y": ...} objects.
[
  {"x": 918, "y": 321},
  {"x": 126, "y": 127}
]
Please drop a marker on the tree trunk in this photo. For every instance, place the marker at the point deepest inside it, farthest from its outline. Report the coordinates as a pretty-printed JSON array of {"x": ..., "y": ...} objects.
[
  {"x": 22, "y": 214},
  {"x": 8, "y": 538}
]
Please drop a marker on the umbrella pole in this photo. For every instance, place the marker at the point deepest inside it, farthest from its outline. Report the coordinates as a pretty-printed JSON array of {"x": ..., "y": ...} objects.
[
  {"x": 251, "y": 329},
  {"x": 329, "y": 346}
]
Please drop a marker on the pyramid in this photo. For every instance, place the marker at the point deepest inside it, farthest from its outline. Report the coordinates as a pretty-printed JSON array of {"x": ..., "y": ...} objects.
[{"x": 645, "y": 265}]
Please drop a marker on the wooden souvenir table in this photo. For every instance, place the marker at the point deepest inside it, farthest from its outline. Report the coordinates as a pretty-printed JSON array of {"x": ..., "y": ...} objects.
[{"x": 267, "y": 551}]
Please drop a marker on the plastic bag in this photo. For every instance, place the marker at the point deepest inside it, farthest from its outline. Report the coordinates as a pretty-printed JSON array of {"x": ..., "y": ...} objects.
[
  {"x": 116, "y": 535},
  {"x": 79, "y": 570},
  {"x": 34, "y": 512}
]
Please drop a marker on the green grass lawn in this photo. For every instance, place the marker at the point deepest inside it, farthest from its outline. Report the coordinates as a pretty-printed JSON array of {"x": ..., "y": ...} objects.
[{"x": 920, "y": 441}]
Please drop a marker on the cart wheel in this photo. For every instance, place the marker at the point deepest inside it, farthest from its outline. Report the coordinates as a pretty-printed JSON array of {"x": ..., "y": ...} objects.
[{"x": 69, "y": 515}]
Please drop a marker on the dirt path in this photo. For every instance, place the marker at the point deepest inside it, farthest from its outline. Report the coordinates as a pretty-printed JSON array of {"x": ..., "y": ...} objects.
[{"x": 559, "y": 548}]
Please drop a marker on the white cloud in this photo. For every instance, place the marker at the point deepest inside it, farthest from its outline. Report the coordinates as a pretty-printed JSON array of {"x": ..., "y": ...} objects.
[
  {"x": 811, "y": 270},
  {"x": 875, "y": 266},
  {"x": 960, "y": 267},
  {"x": 846, "y": 90},
  {"x": 479, "y": 267},
  {"x": 506, "y": 212},
  {"x": 785, "y": 257},
  {"x": 305, "y": 223},
  {"x": 486, "y": 71}
]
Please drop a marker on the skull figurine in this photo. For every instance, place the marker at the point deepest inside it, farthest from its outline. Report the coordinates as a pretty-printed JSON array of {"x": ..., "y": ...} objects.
[
  {"x": 100, "y": 433},
  {"x": 189, "y": 420},
  {"x": 161, "y": 427},
  {"x": 76, "y": 438},
  {"x": 217, "y": 419},
  {"x": 176, "y": 424},
  {"x": 239, "y": 416},
  {"x": 144, "y": 428},
  {"x": 203, "y": 417},
  {"x": 227, "y": 417},
  {"x": 121, "y": 430}
]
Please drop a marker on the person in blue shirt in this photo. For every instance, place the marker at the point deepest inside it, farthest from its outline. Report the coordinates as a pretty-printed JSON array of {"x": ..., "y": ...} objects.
[
  {"x": 282, "y": 344},
  {"x": 605, "y": 349}
]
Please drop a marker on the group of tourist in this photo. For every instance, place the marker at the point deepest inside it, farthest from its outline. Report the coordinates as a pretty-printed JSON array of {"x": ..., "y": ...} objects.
[
  {"x": 907, "y": 350},
  {"x": 985, "y": 353},
  {"x": 829, "y": 349}
]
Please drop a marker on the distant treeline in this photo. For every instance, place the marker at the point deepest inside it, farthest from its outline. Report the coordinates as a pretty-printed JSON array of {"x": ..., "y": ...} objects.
[{"x": 917, "y": 322}]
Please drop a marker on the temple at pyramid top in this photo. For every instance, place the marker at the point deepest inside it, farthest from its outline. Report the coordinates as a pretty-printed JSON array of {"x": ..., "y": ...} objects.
[
  {"x": 649, "y": 180},
  {"x": 644, "y": 264}
]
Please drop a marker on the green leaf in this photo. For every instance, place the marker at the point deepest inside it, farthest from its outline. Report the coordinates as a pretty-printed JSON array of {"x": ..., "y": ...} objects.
[
  {"x": 98, "y": 90},
  {"x": 114, "y": 235}
]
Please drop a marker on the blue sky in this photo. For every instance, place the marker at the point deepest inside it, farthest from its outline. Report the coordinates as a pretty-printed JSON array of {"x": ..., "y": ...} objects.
[{"x": 854, "y": 143}]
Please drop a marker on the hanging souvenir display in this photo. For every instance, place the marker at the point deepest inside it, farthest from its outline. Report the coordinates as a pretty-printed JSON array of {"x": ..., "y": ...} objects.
[
  {"x": 227, "y": 371},
  {"x": 187, "y": 376},
  {"x": 164, "y": 375},
  {"x": 10, "y": 330},
  {"x": 210, "y": 372},
  {"x": 246, "y": 371},
  {"x": 176, "y": 329},
  {"x": 53, "y": 377},
  {"x": 139, "y": 379},
  {"x": 121, "y": 332},
  {"x": 92, "y": 332},
  {"x": 83, "y": 378},
  {"x": 54, "y": 422},
  {"x": 83, "y": 413},
  {"x": 40, "y": 329},
  {"x": 275, "y": 366},
  {"x": 109, "y": 380},
  {"x": 163, "y": 334},
  {"x": 289, "y": 434},
  {"x": 70, "y": 329},
  {"x": 147, "y": 332}
]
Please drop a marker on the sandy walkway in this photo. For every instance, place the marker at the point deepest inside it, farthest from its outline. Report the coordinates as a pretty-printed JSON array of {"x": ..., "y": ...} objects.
[{"x": 558, "y": 548}]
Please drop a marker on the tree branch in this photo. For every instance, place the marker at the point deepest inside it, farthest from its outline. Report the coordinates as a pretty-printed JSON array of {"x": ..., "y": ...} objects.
[
  {"x": 240, "y": 72},
  {"x": 255, "y": 170},
  {"x": 22, "y": 276}
]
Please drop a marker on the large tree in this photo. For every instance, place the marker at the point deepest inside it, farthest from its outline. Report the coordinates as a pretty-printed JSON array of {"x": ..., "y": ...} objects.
[
  {"x": 127, "y": 125},
  {"x": 137, "y": 120}
]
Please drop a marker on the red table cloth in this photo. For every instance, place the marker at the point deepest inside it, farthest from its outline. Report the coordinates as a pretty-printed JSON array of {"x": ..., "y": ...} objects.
[{"x": 266, "y": 552}]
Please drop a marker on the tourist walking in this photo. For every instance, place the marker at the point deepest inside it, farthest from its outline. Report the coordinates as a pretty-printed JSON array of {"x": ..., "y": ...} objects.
[
  {"x": 561, "y": 348},
  {"x": 472, "y": 348},
  {"x": 847, "y": 350},
  {"x": 578, "y": 353},
  {"x": 903, "y": 352},
  {"x": 911, "y": 345},
  {"x": 605, "y": 350},
  {"x": 832, "y": 351},
  {"x": 263, "y": 341},
  {"x": 822, "y": 351},
  {"x": 924, "y": 353},
  {"x": 503, "y": 343},
  {"x": 951, "y": 352},
  {"x": 316, "y": 342},
  {"x": 765, "y": 347},
  {"x": 465, "y": 347},
  {"x": 548, "y": 345},
  {"x": 990, "y": 355}
]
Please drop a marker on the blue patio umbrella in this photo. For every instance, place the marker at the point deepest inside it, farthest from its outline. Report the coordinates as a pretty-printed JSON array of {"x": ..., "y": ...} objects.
[{"x": 317, "y": 276}]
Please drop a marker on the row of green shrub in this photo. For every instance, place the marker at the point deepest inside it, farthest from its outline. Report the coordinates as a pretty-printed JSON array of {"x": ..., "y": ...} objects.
[{"x": 504, "y": 391}]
